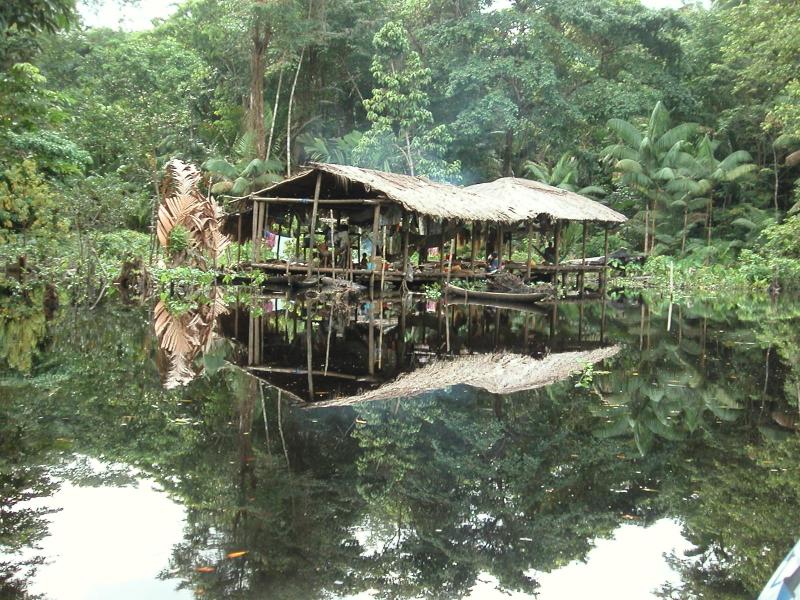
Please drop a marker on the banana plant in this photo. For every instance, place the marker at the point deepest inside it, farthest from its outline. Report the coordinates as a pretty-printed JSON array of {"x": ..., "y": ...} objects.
[{"x": 246, "y": 174}]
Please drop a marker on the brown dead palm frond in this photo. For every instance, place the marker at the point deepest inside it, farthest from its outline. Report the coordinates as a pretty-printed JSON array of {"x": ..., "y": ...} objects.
[
  {"x": 183, "y": 204},
  {"x": 175, "y": 332}
]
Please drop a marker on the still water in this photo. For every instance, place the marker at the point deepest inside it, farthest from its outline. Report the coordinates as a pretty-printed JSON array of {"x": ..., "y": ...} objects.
[{"x": 289, "y": 448}]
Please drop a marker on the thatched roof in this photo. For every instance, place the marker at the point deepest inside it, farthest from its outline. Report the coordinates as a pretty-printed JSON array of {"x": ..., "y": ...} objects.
[
  {"x": 416, "y": 194},
  {"x": 533, "y": 199},
  {"x": 495, "y": 373}
]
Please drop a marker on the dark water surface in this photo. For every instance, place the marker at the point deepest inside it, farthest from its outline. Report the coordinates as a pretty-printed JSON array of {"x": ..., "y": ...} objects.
[{"x": 668, "y": 469}]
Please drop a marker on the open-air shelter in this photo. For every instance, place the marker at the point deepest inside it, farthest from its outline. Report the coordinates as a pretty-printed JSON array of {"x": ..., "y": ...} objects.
[{"x": 332, "y": 211}]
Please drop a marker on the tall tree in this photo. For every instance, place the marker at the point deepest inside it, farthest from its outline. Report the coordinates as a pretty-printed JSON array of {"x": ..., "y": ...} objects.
[
  {"x": 399, "y": 108},
  {"x": 647, "y": 160}
]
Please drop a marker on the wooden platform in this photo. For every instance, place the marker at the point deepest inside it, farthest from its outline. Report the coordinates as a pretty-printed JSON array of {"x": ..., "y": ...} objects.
[{"x": 427, "y": 275}]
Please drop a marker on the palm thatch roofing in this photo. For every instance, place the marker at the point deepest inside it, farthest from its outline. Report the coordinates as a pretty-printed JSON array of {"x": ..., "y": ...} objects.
[
  {"x": 495, "y": 373},
  {"x": 533, "y": 199},
  {"x": 418, "y": 195}
]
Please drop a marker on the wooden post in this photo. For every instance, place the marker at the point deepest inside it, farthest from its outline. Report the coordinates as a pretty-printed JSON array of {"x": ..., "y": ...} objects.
[
  {"x": 499, "y": 245},
  {"x": 333, "y": 249},
  {"x": 239, "y": 240},
  {"x": 556, "y": 242},
  {"x": 530, "y": 242},
  {"x": 450, "y": 261},
  {"x": 406, "y": 228},
  {"x": 604, "y": 272},
  {"x": 264, "y": 224},
  {"x": 441, "y": 248},
  {"x": 313, "y": 226},
  {"x": 583, "y": 257},
  {"x": 260, "y": 209},
  {"x": 309, "y": 356},
  {"x": 376, "y": 221},
  {"x": 472, "y": 247},
  {"x": 297, "y": 238},
  {"x": 371, "y": 335}
]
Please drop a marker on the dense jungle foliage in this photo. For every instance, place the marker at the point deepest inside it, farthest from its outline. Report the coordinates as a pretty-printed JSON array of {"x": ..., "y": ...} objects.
[{"x": 687, "y": 120}]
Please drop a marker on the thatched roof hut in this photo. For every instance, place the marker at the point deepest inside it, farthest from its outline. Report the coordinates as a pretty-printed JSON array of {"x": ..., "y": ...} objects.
[
  {"x": 495, "y": 373},
  {"x": 417, "y": 195},
  {"x": 532, "y": 199}
]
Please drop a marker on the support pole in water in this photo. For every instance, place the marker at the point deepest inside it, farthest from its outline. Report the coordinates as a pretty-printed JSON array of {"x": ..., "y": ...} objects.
[
  {"x": 313, "y": 225},
  {"x": 530, "y": 242},
  {"x": 605, "y": 261}
]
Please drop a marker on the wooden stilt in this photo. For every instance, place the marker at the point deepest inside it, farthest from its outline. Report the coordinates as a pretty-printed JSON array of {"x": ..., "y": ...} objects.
[
  {"x": 239, "y": 240},
  {"x": 309, "y": 356},
  {"x": 371, "y": 335},
  {"x": 556, "y": 243},
  {"x": 259, "y": 213},
  {"x": 376, "y": 221},
  {"x": 333, "y": 249},
  {"x": 472, "y": 246},
  {"x": 313, "y": 225},
  {"x": 530, "y": 242},
  {"x": 583, "y": 257},
  {"x": 441, "y": 247},
  {"x": 499, "y": 244},
  {"x": 604, "y": 272},
  {"x": 406, "y": 228}
]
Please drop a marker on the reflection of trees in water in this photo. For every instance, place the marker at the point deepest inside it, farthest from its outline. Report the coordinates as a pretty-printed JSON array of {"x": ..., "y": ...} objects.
[{"x": 423, "y": 495}]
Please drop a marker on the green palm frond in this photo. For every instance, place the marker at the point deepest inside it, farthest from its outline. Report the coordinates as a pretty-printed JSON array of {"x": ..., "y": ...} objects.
[
  {"x": 677, "y": 134},
  {"x": 627, "y": 132}
]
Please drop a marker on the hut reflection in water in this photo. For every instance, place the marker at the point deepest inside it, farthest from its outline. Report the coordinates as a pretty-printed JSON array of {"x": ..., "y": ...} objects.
[{"x": 335, "y": 352}]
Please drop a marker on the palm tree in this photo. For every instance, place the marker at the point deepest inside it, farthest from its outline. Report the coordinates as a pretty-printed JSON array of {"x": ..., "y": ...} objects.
[
  {"x": 645, "y": 161},
  {"x": 562, "y": 175},
  {"x": 707, "y": 174}
]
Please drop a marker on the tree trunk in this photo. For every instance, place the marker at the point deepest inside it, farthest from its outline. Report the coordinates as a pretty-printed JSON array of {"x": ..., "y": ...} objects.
[
  {"x": 260, "y": 35},
  {"x": 409, "y": 158},
  {"x": 274, "y": 115},
  {"x": 777, "y": 180},
  {"x": 646, "y": 225},
  {"x": 508, "y": 153},
  {"x": 685, "y": 225},
  {"x": 289, "y": 117}
]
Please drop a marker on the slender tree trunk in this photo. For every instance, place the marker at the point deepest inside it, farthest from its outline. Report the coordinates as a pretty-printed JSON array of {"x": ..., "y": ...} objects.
[
  {"x": 409, "y": 158},
  {"x": 508, "y": 153},
  {"x": 260, "y": 35},
  {"x": 289, "y": 117},
  {"x": 646, "y": 225},
  {"x": 274, "y": 115},
  {"x": 685, "y": 225},
  {"x": 777, "y": 180}
]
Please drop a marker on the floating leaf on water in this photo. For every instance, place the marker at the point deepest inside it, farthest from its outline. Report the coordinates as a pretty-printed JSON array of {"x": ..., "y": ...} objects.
[
  {"x": 206, "y": 569},
  {"x": 237, "y": 554}
]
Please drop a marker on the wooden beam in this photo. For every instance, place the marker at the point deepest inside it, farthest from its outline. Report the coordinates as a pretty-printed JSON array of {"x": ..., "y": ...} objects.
[
  {"x": 294, "y": 371},
  {"x": 313, "y": 225},
  {"x": 320, "y": 202}
]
